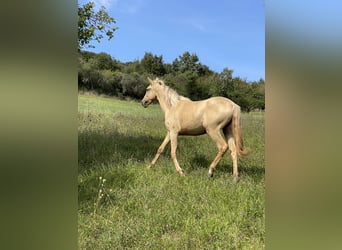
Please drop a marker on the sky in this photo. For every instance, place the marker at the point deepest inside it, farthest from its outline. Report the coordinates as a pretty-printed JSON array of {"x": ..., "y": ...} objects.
[
  {"x": 222, "y": 33},
  {"x": 312, "y": 23}
]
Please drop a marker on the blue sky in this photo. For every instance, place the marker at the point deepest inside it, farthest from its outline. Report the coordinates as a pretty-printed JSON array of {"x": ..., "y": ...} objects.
[
  {"x": 307, "y": 23},
  {"x": 223, "y": 33}
]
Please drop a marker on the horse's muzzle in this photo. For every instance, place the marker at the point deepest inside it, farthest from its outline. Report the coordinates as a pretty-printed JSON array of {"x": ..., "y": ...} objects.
[{"x": 144, "y": 104}]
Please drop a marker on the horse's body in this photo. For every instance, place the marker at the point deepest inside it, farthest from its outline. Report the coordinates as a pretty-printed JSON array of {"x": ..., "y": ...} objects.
[{"x": 186, "y": 117}]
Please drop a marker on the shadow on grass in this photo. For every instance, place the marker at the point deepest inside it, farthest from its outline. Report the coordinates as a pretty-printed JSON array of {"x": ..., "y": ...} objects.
[
  {"x": 109, "y": 156},
  {"x": 116, "y": 151},
  {"x": 101, "y": 149},
  {"x": 255, "y": 172},
  {"x": 200, "y": 161}
]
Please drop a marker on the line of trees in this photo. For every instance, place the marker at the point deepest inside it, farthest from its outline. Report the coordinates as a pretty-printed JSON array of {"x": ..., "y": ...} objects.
[{"x": 104, "y": 74}]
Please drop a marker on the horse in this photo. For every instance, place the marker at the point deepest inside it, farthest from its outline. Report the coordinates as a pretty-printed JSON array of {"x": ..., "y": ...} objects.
[{"x": 186, "y": 117}]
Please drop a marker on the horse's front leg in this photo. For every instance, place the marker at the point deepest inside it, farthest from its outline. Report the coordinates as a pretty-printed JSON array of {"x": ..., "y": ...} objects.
[
  {"x": 173, "y": 137},
  {"x": 160, "y": 149}
]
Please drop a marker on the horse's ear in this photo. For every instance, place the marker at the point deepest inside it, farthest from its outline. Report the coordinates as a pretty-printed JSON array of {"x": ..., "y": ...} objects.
[{"x": 150, "y": 81}]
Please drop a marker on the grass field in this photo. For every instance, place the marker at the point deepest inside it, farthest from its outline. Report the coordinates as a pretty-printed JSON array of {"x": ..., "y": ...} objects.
[{"x": 123, "y": 205}]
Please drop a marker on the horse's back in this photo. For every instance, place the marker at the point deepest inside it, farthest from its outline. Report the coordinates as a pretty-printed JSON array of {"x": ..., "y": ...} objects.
[{"x": 220, "y": 100}]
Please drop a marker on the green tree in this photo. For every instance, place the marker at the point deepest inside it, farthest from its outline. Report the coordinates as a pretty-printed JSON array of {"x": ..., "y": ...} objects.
[
  {"x": 179, "y": 82},
  {"x": 258, "y": 94},
  {"x": 133, "y": 85},
  {"x": 92, "y": 25},
  {"x": 190, "y": 62},
  {"x": 226, "y": 86},
  {"x": 153, "y": 64},
  {"x": 105, "y": 61},
  {"x": 202, "y": 85},
  {"x": 186, "y": 62},
  {"x": 131, "y": 67},
  {"x": 88, "y": 76},
  {"x": 110, "y": 81},
  {"x": 242, "y": 94}
]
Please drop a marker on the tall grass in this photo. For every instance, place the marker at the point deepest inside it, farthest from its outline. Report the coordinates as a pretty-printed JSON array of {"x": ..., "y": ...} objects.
[{"x": 137, "y": 208}]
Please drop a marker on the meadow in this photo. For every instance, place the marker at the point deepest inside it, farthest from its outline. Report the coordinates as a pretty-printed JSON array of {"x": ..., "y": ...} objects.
[{"x": 124, "y": 205}]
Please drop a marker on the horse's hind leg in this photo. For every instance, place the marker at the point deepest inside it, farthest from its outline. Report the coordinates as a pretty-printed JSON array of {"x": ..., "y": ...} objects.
[
  {"x": 232, "y": 147},
  {"x": 221, "y": 146}
]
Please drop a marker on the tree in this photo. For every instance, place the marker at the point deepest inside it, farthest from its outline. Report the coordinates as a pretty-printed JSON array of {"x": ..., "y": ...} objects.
[
  {"x": 133, "y": 85},
  {"x": 258, "y": 94},
  {"x": 190, "y": 62},
  {"x": 105, "y": 61},
  {"x": 186, "y": 62},
  {"x": 92, "y": 25},
  {"x": 153, "y": 64},
  {"x": 88, "y": 76},
  {"x": 226, "y": 87}
]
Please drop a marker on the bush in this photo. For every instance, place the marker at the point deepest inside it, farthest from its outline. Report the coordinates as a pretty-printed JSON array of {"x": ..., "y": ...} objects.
[{"x": 133, "y": 85}]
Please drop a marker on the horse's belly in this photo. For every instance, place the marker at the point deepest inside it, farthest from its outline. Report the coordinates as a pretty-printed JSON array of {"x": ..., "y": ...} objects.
[{"x": 192, "y": 131}]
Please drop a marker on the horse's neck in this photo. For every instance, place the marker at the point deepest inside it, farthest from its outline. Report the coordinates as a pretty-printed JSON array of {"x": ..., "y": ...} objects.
[{"x": 164, "y": 104}]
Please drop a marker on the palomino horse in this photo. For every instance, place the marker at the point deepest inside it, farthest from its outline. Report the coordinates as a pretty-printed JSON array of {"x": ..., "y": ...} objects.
[{"x": 186, "y": 117}]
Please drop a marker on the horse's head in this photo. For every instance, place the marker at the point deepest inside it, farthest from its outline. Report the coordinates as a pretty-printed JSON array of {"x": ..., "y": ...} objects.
[{"x": 151, "y": 91}]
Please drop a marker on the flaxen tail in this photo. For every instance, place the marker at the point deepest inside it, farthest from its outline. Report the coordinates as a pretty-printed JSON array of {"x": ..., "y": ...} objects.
[{"x": 237, "y": 133}]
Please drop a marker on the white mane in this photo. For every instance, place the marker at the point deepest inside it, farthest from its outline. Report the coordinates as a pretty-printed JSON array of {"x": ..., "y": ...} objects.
[{"x": 171, "y": 96}]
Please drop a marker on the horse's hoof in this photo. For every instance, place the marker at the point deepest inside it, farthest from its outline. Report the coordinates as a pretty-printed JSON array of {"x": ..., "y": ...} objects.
[
  {"x": 236, "y": 179},
  {"x": 149, "y": 167},
  {"x": 210, "y": 173}
]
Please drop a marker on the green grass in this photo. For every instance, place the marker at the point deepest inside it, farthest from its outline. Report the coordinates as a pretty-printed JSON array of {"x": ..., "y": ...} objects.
[{"x": 137, "y": 208}]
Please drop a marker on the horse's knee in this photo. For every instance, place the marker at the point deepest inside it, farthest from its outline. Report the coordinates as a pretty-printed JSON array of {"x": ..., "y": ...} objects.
[{"x": 223, "y": 148}]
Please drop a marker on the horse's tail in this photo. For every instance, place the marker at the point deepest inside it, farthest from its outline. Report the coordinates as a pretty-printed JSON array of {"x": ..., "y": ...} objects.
[{"x": 237, "y": 133}]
